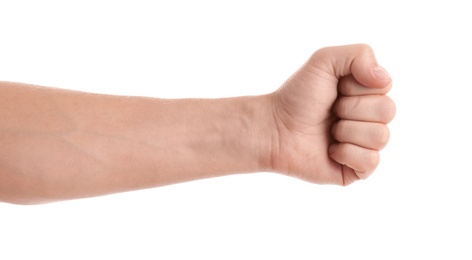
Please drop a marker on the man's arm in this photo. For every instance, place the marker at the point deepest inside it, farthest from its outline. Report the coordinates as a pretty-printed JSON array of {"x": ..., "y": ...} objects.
[
  {"x": 57, "y": 144},
  {"x": 326, "y": 124}
]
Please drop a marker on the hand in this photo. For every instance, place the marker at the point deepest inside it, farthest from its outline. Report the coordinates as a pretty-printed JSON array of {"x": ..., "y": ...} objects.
[{"x": 331, "y": 117}]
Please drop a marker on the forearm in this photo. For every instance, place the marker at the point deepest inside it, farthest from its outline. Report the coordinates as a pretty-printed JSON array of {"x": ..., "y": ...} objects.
[{"x": 58, "y": 144}]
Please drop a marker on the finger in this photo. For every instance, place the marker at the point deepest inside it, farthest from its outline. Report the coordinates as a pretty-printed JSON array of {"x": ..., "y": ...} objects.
[
  {"x": 349, "y": 175},
  {"x": 358, "y": 60},
  {"x": 371, "y": 108},
  {"x": 366, "y": 134},
  {"x": 362, "y": 160},
  {"x": 349, "y": 86}
]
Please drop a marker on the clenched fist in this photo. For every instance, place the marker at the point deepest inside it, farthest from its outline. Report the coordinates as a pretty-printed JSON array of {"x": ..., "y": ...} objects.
[{"x": 331, "y": 117}]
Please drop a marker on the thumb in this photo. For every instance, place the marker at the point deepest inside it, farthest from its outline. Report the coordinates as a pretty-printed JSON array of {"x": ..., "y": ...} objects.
[{"x": 357, "y": 59}]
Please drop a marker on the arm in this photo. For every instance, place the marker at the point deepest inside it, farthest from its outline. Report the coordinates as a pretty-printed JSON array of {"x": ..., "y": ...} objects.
[
  {"x": 326, "y": 124},
  {"x": 58, "y": 144}
]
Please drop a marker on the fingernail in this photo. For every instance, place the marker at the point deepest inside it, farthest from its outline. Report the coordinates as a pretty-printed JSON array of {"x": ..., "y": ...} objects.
[{"x": 380, "y": 73}]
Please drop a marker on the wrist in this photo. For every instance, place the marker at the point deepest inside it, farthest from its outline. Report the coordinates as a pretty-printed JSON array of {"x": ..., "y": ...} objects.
[{"x": 260, "y": 129}]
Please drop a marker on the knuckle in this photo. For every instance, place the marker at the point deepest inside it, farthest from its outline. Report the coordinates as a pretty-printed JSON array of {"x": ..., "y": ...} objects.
[
  {"x": 364, "y": 48},
  {"x": 382, "y": 135},
  {"x": 372, "y": 159},
  {"x": 319, "y": 54},
  {"x": 366, "y": 51},
  {"x": 319, "y": 60},
  {"x": 386, "y": 109},
  {"x": 387, "y": 88}
]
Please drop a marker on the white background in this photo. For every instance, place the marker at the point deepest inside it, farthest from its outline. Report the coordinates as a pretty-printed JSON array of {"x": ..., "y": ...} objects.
[{"x": 416, "y": 206}]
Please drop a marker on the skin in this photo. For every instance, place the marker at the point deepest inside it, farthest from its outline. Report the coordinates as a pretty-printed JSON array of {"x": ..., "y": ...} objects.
[{"x": 326, "y": 124}]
